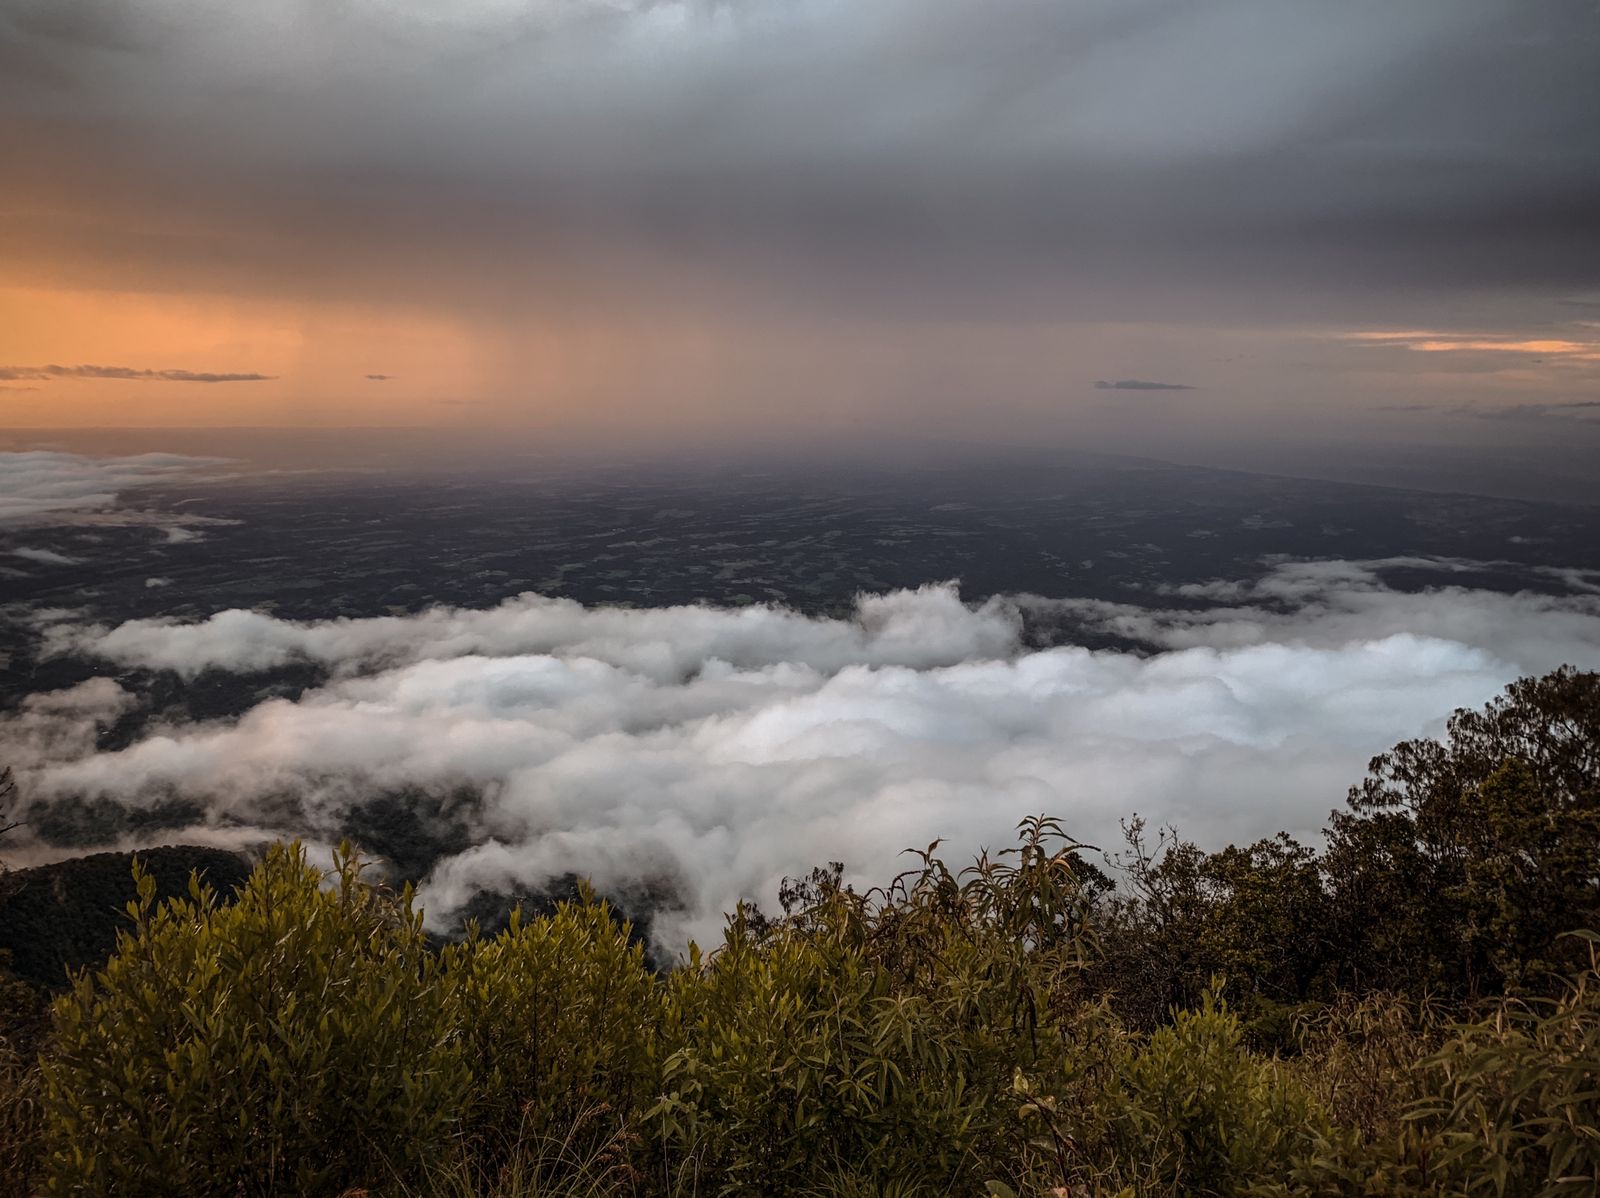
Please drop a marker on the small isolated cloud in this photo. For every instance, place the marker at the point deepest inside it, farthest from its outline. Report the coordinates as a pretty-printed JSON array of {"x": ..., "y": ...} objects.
[
  {"x": 154, "y": 583},
  {"x": 1139, "y": 385},
  {"x": 48, "y": 557},
  {"x": 1581, "y": 410},
  {"x": 129, "y": 373},
  {"x": 379, "y": 378},
  {"x": 717, "y": 749},
  {"x": 48, "y": 486}
]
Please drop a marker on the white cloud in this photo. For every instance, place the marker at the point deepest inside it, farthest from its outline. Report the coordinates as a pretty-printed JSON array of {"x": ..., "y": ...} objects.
[
  {"x": 62, "y": 725},
  {"x": 45, "y": 557},
  {"x": 1333, "y": 603},
  {"x": 921, "y": 628},
  {"x": 45, "y": 486},
  {"x": 718, "y": 750}
]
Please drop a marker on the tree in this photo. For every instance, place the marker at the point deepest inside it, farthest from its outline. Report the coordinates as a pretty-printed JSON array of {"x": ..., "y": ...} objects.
[
  {"x": 1254, "y": 917},
  {"x": 1461, "y": 862}
]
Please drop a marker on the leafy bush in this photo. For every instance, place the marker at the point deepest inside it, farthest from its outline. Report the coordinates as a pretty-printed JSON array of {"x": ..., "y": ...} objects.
[
  {"x": 1205, "y": 1115},
  {"x": 542, "y": 1162},
  {"x": 558, "y": 1019},
  {"x": 1508, "y": 1105},
  {"x": 19, "y": 1122},
  {"x": 874, "y": 1036},
  {"x": 294, "y": 1042},
  {"x": 1188, "y": 1110}
]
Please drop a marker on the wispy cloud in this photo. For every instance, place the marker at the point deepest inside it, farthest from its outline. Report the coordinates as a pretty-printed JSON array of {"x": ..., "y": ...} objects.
[
  {"x": 379, "y": 378},
  {"x": 1428, "y": 342},
  {"x": 129, "y": 373},
  {"x": 45, "y": 557},
  {"x": 43, "y": 486}
]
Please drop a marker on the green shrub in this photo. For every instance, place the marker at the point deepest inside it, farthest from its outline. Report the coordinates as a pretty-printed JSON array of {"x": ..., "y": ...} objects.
[
  {"x": 573, "y": 1162},
  {"x": 1204, "y": 1114},
  {"x": 798, "y": 1058},
  {"x": 1508, "y": 1106},
  {"x": 294, "y": 1042},
  {"x": 873, "y": 1037},
  {"x": 1188, "y": 1110},
  {"x": 20, "y": 1088},
  {"x": 558, "y": 1019}
]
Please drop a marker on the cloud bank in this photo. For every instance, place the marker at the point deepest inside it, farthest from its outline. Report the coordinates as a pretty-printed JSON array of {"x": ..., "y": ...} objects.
[
  {"x": 44, "y": 486},
  {"x": 711, "y": 751}
]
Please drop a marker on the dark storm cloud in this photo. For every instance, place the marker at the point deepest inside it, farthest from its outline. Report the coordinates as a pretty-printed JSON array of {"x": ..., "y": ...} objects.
[
  {"x": 128, "y": 373},
  {"x": 1113, "y": 148},
  {"x": 1140, "y": 385}
]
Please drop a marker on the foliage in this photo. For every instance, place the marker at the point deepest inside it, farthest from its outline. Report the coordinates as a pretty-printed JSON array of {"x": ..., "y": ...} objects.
[
  {"x": 1256, "y": 917},
  {"x": 557, "y": 1018},
  {"x": 1507, "y": 1106},
  {"x": 1516, "y": 1097},
  {"x": 1187, "y": 1110},
  {"x": 1461, "y": 863},
  {"x": 1403, "y": 1014},
  {"x": 1205, "y": 1115},
  {"x": 19, "y": 1121},
  {"x": 294, "y": 1042},
  {"x": 541, "y": 1162},
  {"x": 876, "y": 1032}
]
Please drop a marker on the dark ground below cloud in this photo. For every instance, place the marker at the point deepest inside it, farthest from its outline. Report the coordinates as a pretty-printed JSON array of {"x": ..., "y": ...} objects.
[{"x": 322, "y": 544}]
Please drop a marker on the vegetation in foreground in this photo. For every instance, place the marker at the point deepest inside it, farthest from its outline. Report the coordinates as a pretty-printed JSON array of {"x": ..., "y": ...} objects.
[{"x": 1414, "y": 1010}]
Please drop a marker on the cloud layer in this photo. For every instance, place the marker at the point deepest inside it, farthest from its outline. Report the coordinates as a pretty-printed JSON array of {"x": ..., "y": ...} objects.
[
  {"x": 1430, "y": 142},
  {"x": 713, "y": 751},
  {"x": 43, "y": 485}
]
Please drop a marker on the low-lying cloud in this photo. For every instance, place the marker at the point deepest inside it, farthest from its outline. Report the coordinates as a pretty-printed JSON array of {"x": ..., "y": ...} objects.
[
  {"x": 44, "y": 557},
  {"x": 45, "y": 486},
  {"x": 713, "y": 751}
]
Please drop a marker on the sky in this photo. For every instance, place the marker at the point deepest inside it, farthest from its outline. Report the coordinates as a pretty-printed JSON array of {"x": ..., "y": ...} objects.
[{"x": 1134, "y": 224}]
